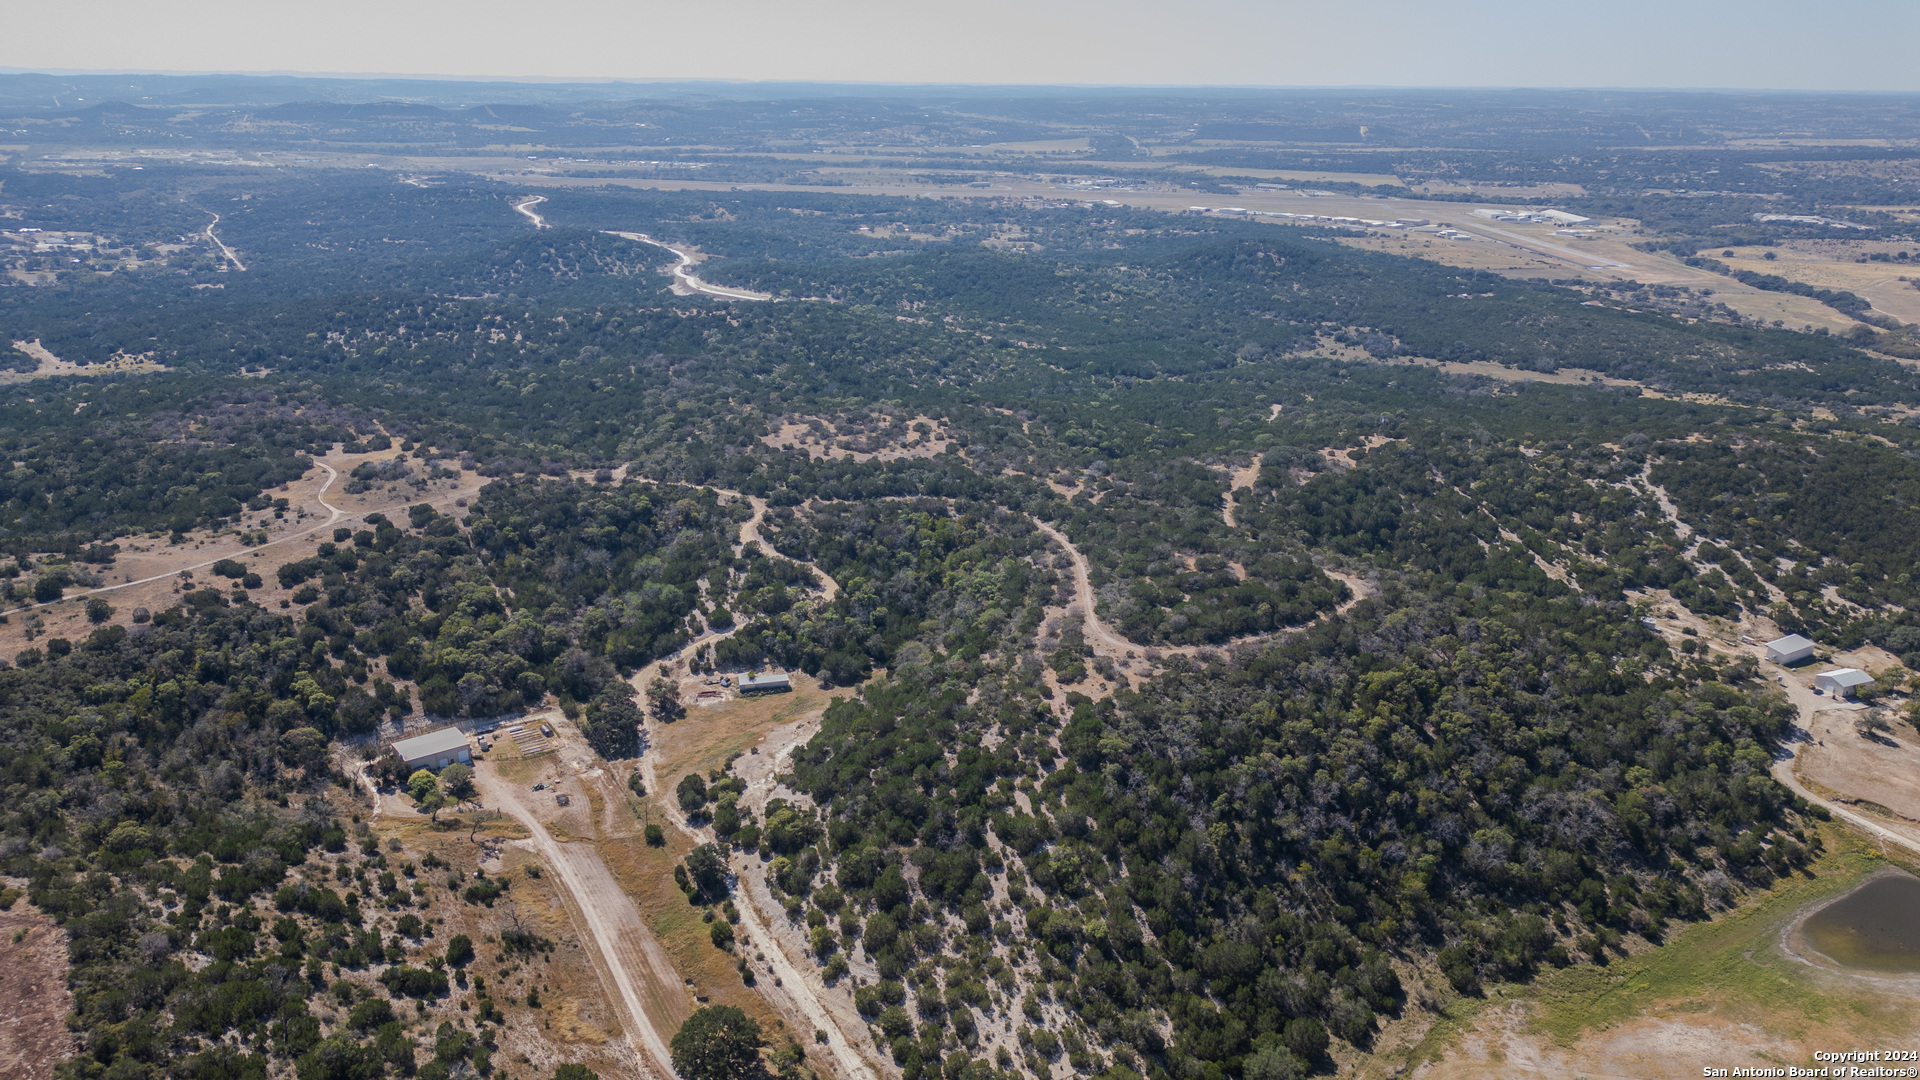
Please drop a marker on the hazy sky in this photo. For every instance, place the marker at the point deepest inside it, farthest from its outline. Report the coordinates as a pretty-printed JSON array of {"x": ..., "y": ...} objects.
[{"x": 1788, "y": 44}]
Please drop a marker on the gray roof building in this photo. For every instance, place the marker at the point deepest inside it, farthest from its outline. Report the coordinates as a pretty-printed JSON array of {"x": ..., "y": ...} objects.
[
  {"x": 1789, "y": 650},
  {"x": 435, "y": 750},
  {"x": 1841, "y": 682},
  {"x": 751, "y": 684}
]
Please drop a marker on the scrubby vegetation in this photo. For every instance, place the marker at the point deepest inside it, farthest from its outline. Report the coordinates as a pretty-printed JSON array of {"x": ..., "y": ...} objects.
[{"x": 1393, "y": 728}]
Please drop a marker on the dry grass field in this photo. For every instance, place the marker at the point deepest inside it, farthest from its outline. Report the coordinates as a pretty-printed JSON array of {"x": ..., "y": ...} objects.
[
  {"x": 1610, "y": 246},
  {"x": 573, "y": 1020},
  {"x": 601, "y": 832},
  {"x": 1843, "y": 264},
  {"x": 34, "y": 1000},
  {"x": 1721, "y": 994},
  {"x": 51, "y": 365}
]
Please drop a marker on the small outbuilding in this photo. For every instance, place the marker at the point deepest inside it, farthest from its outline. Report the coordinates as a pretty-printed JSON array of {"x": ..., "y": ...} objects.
[
  {"x": 435, "y": 750},
  {"x": 1791, "y": 649},
  {"x": 764, "y": 684},
  {"x": 1842, "y": 682}
]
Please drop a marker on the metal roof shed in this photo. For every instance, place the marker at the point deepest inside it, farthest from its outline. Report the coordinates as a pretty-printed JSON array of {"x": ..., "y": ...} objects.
[
  {"x": 1841, "y": 682},
  {"x": 1789, "y": 650},
  {"x": 435, "y": 750},
  {"x": 753, "y": 684}
]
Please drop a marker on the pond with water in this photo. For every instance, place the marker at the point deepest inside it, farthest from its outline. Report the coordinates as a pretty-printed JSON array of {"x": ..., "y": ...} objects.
[{"x": 1873, "y": 928}]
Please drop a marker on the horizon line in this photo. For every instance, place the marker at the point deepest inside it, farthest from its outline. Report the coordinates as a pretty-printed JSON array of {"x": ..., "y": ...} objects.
[{"x": 615, "y": 81}]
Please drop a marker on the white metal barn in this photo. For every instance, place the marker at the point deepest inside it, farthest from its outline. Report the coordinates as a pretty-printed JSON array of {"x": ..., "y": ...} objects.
[
  {"x": 1790, "y": 649},
  {"x": 435, "y": 750},
  {"x": 1842, "y": 682}
]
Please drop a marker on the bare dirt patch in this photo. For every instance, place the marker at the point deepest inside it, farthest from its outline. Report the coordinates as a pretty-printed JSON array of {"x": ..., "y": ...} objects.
[
  {"x": 51, "y": 365},
  {"x": 1878, "y": 772},
  {"x": 1342, "y": 456},
  {"x": 883, "y": 438},
  {"x": 1648, "y": 1049},
  {"x": 1242, "y": 477},
  {"x": 34, "y": 1000}
]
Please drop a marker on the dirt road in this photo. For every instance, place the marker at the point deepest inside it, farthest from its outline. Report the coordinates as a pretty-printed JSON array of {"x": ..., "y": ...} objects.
[
  {"x": 334, "y": 515},
  {"x": 683, "y": 271},
  {"x": 1103, "y": 638},
  {"x": 827, "y": 1009},
  {"x": 1098, "y": 633},
  {"x": 749, "y": 534},
  {"x": 800, "y": 993},
  {"x": 224, "y": 249},
  {"x": 526, "y": 205},
  {"x": 629, "y": 960},
  {"x": 1806, "y": 703}
]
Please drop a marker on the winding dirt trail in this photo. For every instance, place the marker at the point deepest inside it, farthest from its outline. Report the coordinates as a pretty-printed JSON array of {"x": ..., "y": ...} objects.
[
  {"x": 334, "y": 516},
  {"x": 750, "y": 534},
  {"x": 828, "y": 1012},
  {"x": 526, "y": 205},
  {"x": 681, "y": 660},
  {"x": 683, "y": 271},
  {"x": 627, "y": 956},
  {"x": 1097, "y": 631},
  {"x": 1237, "y": 479},
  {"x": 799, "y": 994},
  {"x": 1103, "y": 637}
]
